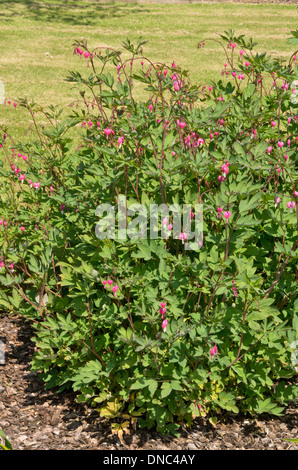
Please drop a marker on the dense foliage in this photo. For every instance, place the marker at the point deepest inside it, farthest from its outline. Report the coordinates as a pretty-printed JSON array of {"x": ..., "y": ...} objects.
[{"x": 159, "y": 330}]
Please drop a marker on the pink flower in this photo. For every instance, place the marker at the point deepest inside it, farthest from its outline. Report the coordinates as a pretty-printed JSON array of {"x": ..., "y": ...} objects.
[
  {"x": 108, "y": 131},
  {"x": 164, "y": 221},
  {"x": 86, "y": 54},
  {"x": 227, "y": 214},
  {"x": 213, "y": 351},
  {"x": 241, "y": 52},
  {"x": 183, "y": 237},
  {"x": 235, "y": 291},
  {"x": 277, "y": 200},
  {"x": 219, "y": 211},
  {"x": 269, "y": 149},
  {"x": 162, "y": 311},
  {"x": 164, "y": 324},
  {"x": 247, "y": 64},
  {"x": 110, "y": 282},
  {"x": 120, "y": 141},
  {"x": 163, "y": 304},
  {"x": 291, "y": 205},
  {"x": 221, "y": 178},
  {"x": 114, "y": 289},
  {"x": 280, "y": 144},
  {"x": 150, "y": 107},
  {"x": 36, "y": 185},
  {"x": 225, "y": 169},
  {"x": 273, "y": 123},
  {"x": 296, "y": 193},
  {"x": 22, "y": 229},
  {"x": 181, "y": 124},
  {"x": 177, "y": 85},
  {"x": 22, "y": 178},
  {"x": 105, "y": 284}
]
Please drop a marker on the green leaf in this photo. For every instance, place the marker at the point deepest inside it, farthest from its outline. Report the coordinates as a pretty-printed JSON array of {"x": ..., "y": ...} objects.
[
  {"x": 7, "y": 445},
  {"x": 162, "y": 266},
  {"x": 169, "y": 140},
  {"x": 152, "y": 386},
  {"x": 239, "y": 149},
  {"x": 139, "y": 384},
  {"x": 247, "y": 221},
  {"x": 144, "y": 252},
  {"x": 249, "y": 204},
  {"x": 166, "y": 389},
  {"x": 176, "y": 385}
]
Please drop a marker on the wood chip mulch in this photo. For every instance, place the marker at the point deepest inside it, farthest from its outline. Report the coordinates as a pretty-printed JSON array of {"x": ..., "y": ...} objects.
[{"x": 37, "y": 419}]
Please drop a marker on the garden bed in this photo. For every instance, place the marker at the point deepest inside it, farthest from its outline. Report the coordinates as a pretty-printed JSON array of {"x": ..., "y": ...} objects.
[{"x": 37, "y": 419}]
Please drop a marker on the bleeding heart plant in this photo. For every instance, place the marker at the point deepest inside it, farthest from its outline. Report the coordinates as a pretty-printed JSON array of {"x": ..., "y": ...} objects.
[{"x": 148, "y": 325}]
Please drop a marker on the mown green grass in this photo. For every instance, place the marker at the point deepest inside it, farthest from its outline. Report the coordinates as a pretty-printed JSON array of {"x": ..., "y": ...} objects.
[{"x": 37, "y": 38}]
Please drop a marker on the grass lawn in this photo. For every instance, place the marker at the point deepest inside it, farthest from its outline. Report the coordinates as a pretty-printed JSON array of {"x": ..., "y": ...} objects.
[{"x": 37, "y": 38}]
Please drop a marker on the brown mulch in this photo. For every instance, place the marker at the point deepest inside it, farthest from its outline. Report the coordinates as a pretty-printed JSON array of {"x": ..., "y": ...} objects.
[{"x": 37, "y": 419}]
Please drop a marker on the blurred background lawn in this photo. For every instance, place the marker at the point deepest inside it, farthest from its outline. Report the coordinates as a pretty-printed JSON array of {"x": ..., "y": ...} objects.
[{"x": 37, "y": 37}]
